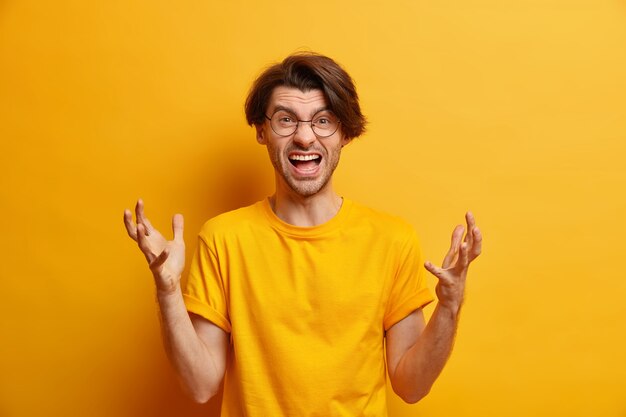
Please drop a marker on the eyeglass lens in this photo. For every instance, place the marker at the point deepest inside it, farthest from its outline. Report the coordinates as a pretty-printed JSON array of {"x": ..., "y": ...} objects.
[{"x": 324, "y": 123}]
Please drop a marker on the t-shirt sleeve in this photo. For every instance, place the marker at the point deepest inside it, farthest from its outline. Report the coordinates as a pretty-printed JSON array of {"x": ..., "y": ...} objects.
[
  {"x": 408, "y": 290},
  {"x": 204, "y": 291}
]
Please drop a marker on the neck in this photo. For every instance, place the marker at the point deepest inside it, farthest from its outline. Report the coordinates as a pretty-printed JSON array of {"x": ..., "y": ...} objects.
[{"x": 306, "y": 211}]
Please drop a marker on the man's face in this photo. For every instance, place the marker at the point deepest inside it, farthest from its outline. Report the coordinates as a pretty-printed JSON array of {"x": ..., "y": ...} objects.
[{"x": 302, "y": 161}]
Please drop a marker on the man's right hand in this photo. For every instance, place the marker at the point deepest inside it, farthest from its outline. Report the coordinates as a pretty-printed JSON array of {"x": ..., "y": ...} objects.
[
  {"x": 196, "y": 347},
  {"x": 165, "y": 258}
]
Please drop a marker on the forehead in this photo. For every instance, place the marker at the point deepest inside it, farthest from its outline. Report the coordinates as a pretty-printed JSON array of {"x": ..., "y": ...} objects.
[{"x": 297, "y": 100}]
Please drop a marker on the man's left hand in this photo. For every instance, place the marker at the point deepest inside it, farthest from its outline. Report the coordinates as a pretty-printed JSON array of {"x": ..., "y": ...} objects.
[{"x": 453, "y": 272}]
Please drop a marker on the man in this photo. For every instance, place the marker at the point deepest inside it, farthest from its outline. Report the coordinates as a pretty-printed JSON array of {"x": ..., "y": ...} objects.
[{"x": 289, "y": 301}]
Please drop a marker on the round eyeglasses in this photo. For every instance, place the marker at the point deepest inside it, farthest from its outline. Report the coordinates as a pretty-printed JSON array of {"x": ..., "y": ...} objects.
[{"x": 323, "y": 123}]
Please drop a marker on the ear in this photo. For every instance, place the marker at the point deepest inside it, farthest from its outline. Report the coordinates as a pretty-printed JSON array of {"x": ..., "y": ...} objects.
[
  {"x": 345, "y": 140},
  {"x": 260, "y": 135}
]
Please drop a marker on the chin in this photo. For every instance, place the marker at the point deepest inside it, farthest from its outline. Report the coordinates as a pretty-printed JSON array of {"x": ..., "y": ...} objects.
[{"x": 306, "y": 188}]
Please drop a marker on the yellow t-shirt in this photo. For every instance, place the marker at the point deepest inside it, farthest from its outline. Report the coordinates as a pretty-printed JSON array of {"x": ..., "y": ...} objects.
[{"x": 306, "y": 307}]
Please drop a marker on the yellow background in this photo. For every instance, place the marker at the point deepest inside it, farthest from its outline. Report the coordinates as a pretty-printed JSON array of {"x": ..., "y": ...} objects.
[{"x": 515, "y": 109}]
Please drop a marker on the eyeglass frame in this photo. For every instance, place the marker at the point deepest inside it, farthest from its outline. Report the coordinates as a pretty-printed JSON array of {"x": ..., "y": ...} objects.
[{"x": 305, "y": 121}]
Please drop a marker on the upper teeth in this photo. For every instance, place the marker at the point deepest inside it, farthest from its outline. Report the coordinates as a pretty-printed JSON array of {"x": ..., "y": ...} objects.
[{"x": 304, "y": 157}]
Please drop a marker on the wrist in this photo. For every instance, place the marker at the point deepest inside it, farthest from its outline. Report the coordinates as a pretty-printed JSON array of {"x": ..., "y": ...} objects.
[
  {"x": 450, "y": 308},
  {"x": 167, "y": 292}
]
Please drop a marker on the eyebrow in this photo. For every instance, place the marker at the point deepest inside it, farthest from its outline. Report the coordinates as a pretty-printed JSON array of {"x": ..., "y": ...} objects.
[{"x": 289, "y": 110}]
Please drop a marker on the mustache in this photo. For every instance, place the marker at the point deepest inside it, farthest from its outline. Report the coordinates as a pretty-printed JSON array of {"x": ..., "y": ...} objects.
[{"x": 298, "y": 148}]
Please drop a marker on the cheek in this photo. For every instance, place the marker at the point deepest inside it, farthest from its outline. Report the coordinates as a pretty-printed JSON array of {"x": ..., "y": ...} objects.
[
  {"x": 274, "y": 152},
  {"x": 335, "y": 150}
]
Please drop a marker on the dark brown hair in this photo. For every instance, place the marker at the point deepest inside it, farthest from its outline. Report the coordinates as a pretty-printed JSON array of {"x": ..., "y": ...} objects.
[{"x": 307, "y": 71}]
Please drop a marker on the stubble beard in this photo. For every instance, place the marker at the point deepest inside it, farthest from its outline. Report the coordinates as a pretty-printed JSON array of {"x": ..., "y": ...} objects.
[{"x": 306, "y": 187}]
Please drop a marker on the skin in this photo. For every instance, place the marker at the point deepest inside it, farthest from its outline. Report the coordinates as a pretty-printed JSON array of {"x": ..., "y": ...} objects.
[
  {"x": 196, "y": 347},
  {"x": 416, "y": 354},
  {"x": 302, "y": 200},
  {"x": 416, "y": 351}
]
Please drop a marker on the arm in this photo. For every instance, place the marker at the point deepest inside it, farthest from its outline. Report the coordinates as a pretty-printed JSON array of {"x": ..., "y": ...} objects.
[
  {"x": 417, "y": 353},
  {"x": 196, "y": 347}
]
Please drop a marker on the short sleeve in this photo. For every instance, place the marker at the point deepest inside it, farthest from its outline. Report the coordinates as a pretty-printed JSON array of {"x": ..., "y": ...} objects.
[
  {"x": 408, "y": 290},
  {"x": 204, "y": 291}
]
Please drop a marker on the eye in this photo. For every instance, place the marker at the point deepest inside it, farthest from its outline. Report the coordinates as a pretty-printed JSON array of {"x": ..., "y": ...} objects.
[
  {"x": 324, "y": 119},
  {"x": 284, "y": 118}
]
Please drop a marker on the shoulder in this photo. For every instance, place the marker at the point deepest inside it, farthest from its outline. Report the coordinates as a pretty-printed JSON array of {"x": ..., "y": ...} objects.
[
  {"x": 233, "y": 221},
  {"x": 384, "y": 222},
  {"x": 386, "y": 232}
]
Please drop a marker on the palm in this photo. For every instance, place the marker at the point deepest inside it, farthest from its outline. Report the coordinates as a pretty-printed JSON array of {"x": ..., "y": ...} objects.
[
  {"x": 155, "y": 243},
  {"x": 175, "y": 262},
  {"x": 451, "y": 286},
  {"x": 166, "y": 258}
]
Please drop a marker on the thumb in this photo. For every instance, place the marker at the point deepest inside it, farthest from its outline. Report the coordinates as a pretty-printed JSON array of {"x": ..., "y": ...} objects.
[
  {"x": 159, "y": 260},
  {"x": 435, "y": 270}
]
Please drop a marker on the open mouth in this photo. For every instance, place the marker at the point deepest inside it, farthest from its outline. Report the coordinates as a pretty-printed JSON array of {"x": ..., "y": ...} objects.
[{"x": 308, "y": 162}]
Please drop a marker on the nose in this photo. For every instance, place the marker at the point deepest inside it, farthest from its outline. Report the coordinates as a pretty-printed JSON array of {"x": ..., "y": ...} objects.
[{"x": 304, "y": 135}]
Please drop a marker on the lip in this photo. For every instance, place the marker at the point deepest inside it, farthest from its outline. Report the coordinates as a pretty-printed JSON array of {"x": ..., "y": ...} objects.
[{"x": 301, "y": 173}]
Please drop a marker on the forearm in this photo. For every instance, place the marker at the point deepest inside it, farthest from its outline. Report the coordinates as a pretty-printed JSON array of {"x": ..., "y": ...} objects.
[
  {"x": 190, "y": 357},
  {"x": 422, "y": 363}
]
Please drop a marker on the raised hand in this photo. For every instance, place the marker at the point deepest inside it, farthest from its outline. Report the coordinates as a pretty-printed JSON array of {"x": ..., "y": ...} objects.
[
  {"x": 166, "y": 259},
  {"x": 453, "y": 272}
]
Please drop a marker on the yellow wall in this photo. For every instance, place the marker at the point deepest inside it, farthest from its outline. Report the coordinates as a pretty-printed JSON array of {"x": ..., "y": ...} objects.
[{"x": 515, "y": 109}]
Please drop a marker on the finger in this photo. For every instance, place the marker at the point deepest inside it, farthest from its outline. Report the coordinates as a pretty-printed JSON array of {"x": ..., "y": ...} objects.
[
  {"x": 143, "y": 243},
  {"x": 455, "y": 243},
  {"x": 131, "y": 229},
  {"x": 141, "y": 218},
  {"x": 178, "y": 224},
  {"x": 435, "y": 270},
  {"x": 149, "y": 227},
  {"x": 463, "y": 261},
  {"x": 471, "y": 222},
  {"x": 159, "y": 260},
  {"x": 477, "y": 247}
]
